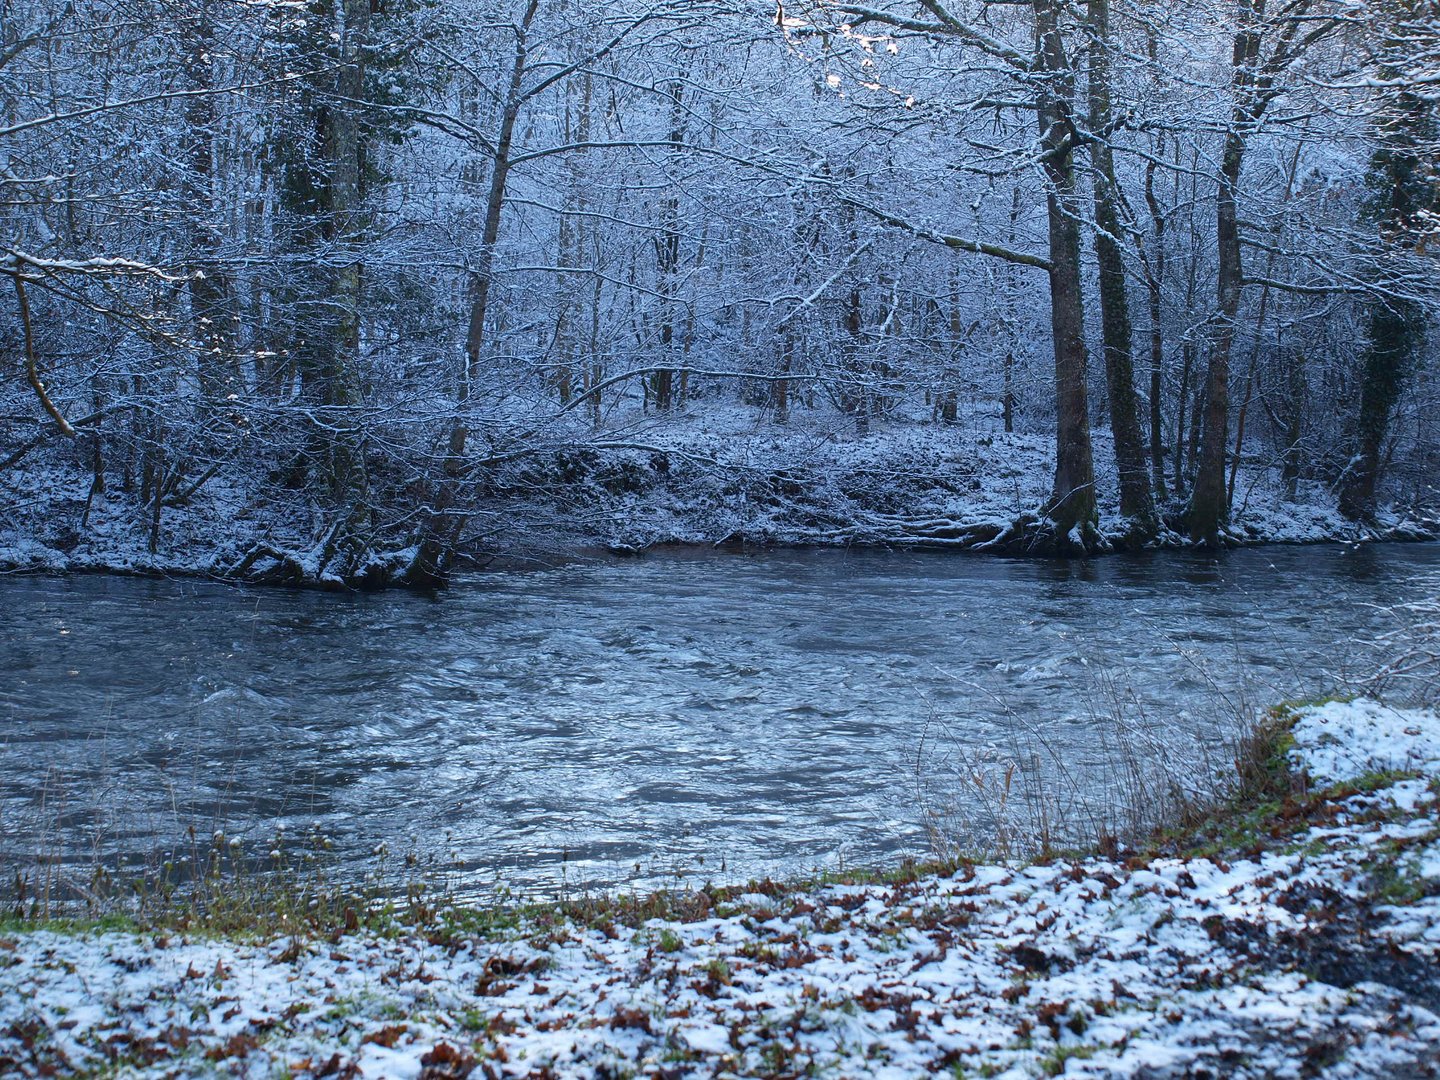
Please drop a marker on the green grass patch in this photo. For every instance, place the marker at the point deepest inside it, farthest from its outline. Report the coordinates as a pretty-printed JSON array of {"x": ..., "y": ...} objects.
[{"x": 1053, "y": 1063}]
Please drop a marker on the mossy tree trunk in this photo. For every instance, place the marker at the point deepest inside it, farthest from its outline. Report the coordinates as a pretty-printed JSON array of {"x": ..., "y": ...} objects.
[
  {"x": 1404, "y": 204},
  {"x": 339, "y": 359}
]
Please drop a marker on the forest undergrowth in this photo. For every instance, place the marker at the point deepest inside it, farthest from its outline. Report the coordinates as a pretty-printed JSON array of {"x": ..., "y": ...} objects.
[{"x": 710, "y": 478}]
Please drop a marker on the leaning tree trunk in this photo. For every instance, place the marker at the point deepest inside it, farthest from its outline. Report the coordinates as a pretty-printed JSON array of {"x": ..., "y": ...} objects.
[
  {"x": 1136, "y": 501},
  {"x": 441, "y": 535},
  {"x": 1253, "y": 87}
]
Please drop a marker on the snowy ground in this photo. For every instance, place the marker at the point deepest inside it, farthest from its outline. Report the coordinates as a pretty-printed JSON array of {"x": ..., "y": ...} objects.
[
  {"x": 715, "y": 474},
  {"x": 723, "y": 474},
  {"x": 1304, "y": 943}
]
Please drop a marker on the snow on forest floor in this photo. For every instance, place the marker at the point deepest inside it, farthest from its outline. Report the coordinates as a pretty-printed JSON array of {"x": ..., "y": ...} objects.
[
  {"x": 719, "y": 473},
  {"x": 1300, "y": 940},
  {"x": 817, "y": 481}
]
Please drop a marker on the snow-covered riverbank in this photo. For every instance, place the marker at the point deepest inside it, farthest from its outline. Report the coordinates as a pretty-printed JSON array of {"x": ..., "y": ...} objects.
[
  {"x": 1302, "y": 940},
  {"x": 710, "y": 479},
  {"x": 727, "y": 477}
]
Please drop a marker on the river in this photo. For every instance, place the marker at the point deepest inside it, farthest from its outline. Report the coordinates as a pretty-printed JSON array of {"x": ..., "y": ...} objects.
[{"x": 681, "y": 715}]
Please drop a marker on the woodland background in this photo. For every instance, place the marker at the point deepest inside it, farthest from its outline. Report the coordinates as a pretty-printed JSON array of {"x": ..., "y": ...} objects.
[{"x": 328, "y": 290}]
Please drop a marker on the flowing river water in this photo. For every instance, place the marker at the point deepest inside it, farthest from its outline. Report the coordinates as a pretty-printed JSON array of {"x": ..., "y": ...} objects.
[{"x": 627, "y": 722}]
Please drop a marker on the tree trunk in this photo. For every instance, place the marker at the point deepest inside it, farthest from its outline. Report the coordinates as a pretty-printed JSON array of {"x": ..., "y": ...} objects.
[
  {"x": 667, "y": 251},
  {"x": 1136, "y": 501},
  {"x": 1407, "y": 200},
  {"x": 780, "y": 389},
  {"x": 1395, "y": 339},
  {"x": 1297, "y": 391},
  {"x": 1207, "y": 500},
  {"x": 212, "y": 302},
  {"x": 340, "y": 368},
  {"x": 1187, "y": 365},
  {"x": 1207, "y": 511},
  {"x": 442, "y": 530},
  {"x": 1154, "y": 280},
  {"x": 1072, "y": 511}
]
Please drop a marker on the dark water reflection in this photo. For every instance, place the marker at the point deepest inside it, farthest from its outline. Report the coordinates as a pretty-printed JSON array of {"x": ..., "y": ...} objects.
[{"x": 771, "y": 711}]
